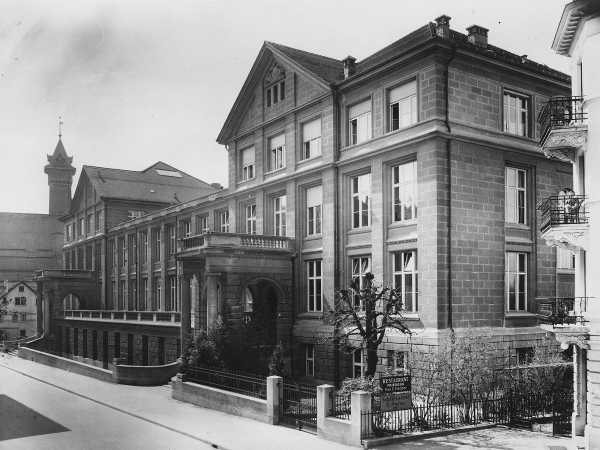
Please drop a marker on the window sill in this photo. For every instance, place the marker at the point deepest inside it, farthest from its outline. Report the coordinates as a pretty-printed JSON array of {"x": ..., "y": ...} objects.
[
  {"x": 391, "y": 132},
  {"x": 517, "y": 226},
  {"x": 309, "y": 160},
  {"x": 246, "y": 181},
  {"x": 360, "y": 230},
  {"x": 313, "y": 237},
  {"x": 275, "y": 171},
  {"x": 403, "y": 224},
  {"x": 313, "y": 315},
  {"x": 517, "y": 314}
]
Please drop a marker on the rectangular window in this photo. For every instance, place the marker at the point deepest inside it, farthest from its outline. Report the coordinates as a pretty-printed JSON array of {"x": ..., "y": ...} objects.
[
  {"x": 406, "y": 278},
  {"x": 397, "y": 361},
  {"x": 157, "y": 244},
  {"x": 402, "y": 110},
  {"x": 88, "y": 224},
  {"x": 133, "y": 295},
  {"x": 516, "y": 281},
  {"x": 76, "y": 341},
  {"x": 358, "y": 363},
  {"x": 247, "y": 160},
  {"x": 144, "y": 295},
  {"x": 81, "y": 227},
  {"x": 516, "y": 113},
  {"x": 144, "y": 350},
  {"x": 279, "y": 211},
  {"x": 361, "y": 265},
  {"x": 202, "y": 224},
  {"x": 121, "y": 294},
  {"x": 361, "y": 191},
  {"x": 310, "y": 360},
  {"x": 359, "y": 125},
  {"x": 67, "y": 233},
  {"x": 23, "y": 317},
  {"x": 117, "y": 345},
  {"x": 132, "y": 245},
  {"x": 251, "y": 219},
  {"x": 122, "y": 252},
  {"x": 172, "y": 294},
  {"x": 277, "y": 152},
  {"x": 314, "y": 280},
  {"x": 404, "y": 192},
  {"x": 565, "y": 259},
  {"x": 186, "y": 228},
  {"x": 311, "y": 139},
  {"x": 275, "y": 93},
  {"x": 223, "y": 221},
  {"x": 156, "y": 305},
  {"x": 516, "y": 196},
  {"x": 172, "y": 243},
  {"x": 161, "y": 350},
  {"x": 314, "y": 198},
  {"x": 97, "y": 221},
  {"x": 144, "y": 245},
  {"x": 129, "y": 348}
]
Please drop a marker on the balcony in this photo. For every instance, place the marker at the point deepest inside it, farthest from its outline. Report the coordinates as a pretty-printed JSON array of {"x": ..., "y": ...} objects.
[
  {"x": 46, "y": 274},
  {"x": 564, "y": 221},
  {"x": 563, "y": 126},
  {"x": 192, "y": 244},
  {"x": 562, "y": 311},
  {"x": 164, "y": 318}
]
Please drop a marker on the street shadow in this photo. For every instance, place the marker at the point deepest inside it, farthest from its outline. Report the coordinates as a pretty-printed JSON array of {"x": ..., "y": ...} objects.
[{"x": 19, "y": 421}]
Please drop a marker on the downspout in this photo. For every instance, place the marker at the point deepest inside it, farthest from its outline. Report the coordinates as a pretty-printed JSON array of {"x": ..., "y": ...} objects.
[
  {"x": 449, "y": 175},
  {"x": 336, "y": 220}
]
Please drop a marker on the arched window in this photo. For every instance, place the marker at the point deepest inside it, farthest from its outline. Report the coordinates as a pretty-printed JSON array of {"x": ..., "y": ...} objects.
[{"x": 71, "y": 301}]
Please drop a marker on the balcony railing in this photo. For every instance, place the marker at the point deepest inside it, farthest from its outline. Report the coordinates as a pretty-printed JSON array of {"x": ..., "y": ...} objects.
[
  {"x": 561, "y": 112},
  {"x": 134, "y": 316},
  {"x": 217, "y": 239},
  {"x": 562, "y": 311},
  {"x": 563, "y": 210}
]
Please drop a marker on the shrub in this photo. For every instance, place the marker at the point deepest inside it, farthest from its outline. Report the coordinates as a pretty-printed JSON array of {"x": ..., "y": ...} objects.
[{"x": 277, "y": 363}]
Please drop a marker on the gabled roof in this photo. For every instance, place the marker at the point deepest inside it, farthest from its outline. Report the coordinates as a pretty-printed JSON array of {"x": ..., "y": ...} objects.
[
  {"x": 160, "y": 183},
  {"x": 14, "y": 286},
  {"x": 328, "y": 69}
]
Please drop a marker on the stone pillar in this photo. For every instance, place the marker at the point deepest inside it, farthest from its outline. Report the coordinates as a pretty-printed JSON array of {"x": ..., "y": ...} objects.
[
  {"x": 579, "y": 391},
  {"x": 274, "y": 395},
  {"x": 184, "y": 294},
  {"x": 592, "y": 427},
  {"x": 213, "y": 306},
  {"x": 324, "y": 392},
  {"x": 164, "y": 257},
  {"x": 360, "y": 403},
  {"x": 194, "y": 301}
]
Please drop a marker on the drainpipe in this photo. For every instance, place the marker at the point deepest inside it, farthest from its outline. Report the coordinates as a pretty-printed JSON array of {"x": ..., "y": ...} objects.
[
  {"x": 336, "y": 224},
  {"x": 449, "y": 175}
]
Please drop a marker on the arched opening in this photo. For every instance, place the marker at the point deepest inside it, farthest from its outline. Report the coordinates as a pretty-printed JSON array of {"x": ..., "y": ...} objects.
[
  {"x": 259, "y": 309},
  {"x": 71, "y": 301}
]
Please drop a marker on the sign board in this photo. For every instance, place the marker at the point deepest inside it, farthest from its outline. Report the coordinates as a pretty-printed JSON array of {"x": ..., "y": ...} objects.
[
  {"x": 395, "y": 401},
  {"x": 395, "y": 383}
]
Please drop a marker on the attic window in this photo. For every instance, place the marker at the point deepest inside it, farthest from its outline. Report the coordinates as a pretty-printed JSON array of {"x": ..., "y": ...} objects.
[
  {"x": 276, "y": 93},
  {"x": 169, "y": 173}
]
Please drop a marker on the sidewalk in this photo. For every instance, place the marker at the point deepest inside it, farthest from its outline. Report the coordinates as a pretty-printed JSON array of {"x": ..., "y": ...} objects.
[{"x": 155, "y": 405}]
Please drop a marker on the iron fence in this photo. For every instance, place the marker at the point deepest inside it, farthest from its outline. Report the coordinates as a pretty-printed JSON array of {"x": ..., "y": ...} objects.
[
  {"x": 562, "y": 210},
  {"x": 299, "y": 405},
  {"x": 340, "y": 405},
  {"x": 561, "y": 112},
  {"x": 559, "y": 311},
  {"x": 509, "y": 410},
  {"x": 253, "y": 386}
]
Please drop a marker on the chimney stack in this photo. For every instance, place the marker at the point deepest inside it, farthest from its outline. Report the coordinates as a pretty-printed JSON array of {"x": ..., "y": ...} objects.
[
  {"x": 442, "y": 26},
  {"x": 478, "y": 35},
  {"x": 349, "y": 66}
]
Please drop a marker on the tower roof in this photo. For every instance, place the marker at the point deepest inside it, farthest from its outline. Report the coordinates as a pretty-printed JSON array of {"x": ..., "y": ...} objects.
[{"x": 60, "y": 157}]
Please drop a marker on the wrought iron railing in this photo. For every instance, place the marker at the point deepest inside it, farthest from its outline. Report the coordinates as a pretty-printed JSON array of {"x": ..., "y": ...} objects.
[
  {"x": 138, "y": 316},
  {"x": 253, "y": 386},
  {"x": 341, "y": 405},
  {"x": 517, "y": 409},
  {"x": 561, "y": 112},
  {"x": 560, "y": 311},
  {"x": 562, "y": 210}
]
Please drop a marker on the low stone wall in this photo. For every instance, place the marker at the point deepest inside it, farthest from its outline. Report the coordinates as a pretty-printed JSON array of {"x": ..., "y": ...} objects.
[
  {"x": 145, "y": 375},
  {"x": 70, "y": 365},
  {"x": 220, "y": 400}
]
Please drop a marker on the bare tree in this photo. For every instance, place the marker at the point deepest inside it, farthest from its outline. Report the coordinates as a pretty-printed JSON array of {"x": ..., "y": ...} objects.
[{"x": 368, "y": 313}]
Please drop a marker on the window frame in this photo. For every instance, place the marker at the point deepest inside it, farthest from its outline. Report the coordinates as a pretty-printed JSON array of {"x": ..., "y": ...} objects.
[
  {"x": 413, "y": 102},
  {"x": 354, "y": 130},
  {"x": 357, "y": 302},
  {"x": 277, "y": 154},
  {"x": 279, "y": 215},
  {"x": 306, "y": 152},
  {"x": 314, "y": 213},
  {"x": 354, "y": 196},
  {"x": 402, "y": 189},
  {"x": 248, "y": 170},
  {"x": 202, "y": 223},
  {"x": 516, "y": 190},
  {"x": 314, "y": 285},
  {"x": 360, "y": 365},
  {"x": 506, "y": 113},
  {"x": 275, "y": 92},
  {"x": 521, "y": 275},
  {"x": 414, "y": 275},
  {"x": 250, "y": 218},
  {"x": 309, "y": 360},
  {"x": 223, "y": 224}
]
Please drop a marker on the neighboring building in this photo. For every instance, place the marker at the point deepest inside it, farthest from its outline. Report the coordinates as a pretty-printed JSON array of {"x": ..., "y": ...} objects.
[
  {"x": 18, "y": 316},
  {"x": 419, "y": 164},
  {"x": 571, "y": 131}
]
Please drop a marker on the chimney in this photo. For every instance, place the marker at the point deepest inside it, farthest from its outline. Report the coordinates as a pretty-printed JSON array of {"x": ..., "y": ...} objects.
[
  {"x": 349, "y": 66},
  {"x": 442, "y": 26},
  {"x": 478, "y": 35}
]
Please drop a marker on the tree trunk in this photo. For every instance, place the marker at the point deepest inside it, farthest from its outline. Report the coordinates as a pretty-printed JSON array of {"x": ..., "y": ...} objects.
[{"x": 371, "y": 359}]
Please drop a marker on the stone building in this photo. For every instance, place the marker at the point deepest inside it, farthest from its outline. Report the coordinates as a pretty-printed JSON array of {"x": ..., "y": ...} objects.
[
  {"x": 18, "y": 310},
  {"x": 418, "y": 163}
]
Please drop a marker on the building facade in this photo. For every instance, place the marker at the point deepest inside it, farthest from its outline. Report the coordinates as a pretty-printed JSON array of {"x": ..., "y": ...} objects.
[
  {"x": 18, "y": 311},
  {"x": 572, "y": 219},
  {"x": 419, "y": 164}
]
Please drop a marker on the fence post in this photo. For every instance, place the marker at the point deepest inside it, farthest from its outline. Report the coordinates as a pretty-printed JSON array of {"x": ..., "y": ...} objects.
[
  {"x": 324, "y": 393},
  {"x": 274, "y": 391},
  {"x": 360, "y": 403}
]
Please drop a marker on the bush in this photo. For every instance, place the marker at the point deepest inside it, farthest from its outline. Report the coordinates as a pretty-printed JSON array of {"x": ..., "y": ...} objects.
[
  {"x": 369, "y": 384},
  {"x": 202, "y": 353},
  {"x": 277, "y": 363}
]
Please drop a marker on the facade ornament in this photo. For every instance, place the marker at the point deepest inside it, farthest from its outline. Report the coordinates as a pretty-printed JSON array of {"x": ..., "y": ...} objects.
[{"x": 274, "y": 74}]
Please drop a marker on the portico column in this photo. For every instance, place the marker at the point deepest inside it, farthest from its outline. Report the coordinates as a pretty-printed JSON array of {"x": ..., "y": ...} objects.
[
  {"x": 184, "y": 293},
  {"x": 213, "y": 299}
]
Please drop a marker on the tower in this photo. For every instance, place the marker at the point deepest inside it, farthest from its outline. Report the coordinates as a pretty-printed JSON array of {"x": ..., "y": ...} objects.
[{"x": 60, "y": 177}]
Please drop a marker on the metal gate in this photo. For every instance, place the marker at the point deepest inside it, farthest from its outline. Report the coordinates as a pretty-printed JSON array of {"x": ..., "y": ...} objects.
[{"x": 299, "y": 406}]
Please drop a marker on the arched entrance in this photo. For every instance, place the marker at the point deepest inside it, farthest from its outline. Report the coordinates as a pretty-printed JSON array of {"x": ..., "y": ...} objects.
[{"x": 260, "y": 304}]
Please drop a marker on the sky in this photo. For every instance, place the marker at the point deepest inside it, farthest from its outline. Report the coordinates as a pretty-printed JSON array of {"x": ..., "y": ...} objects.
[{"x": 137, "y": 81}]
